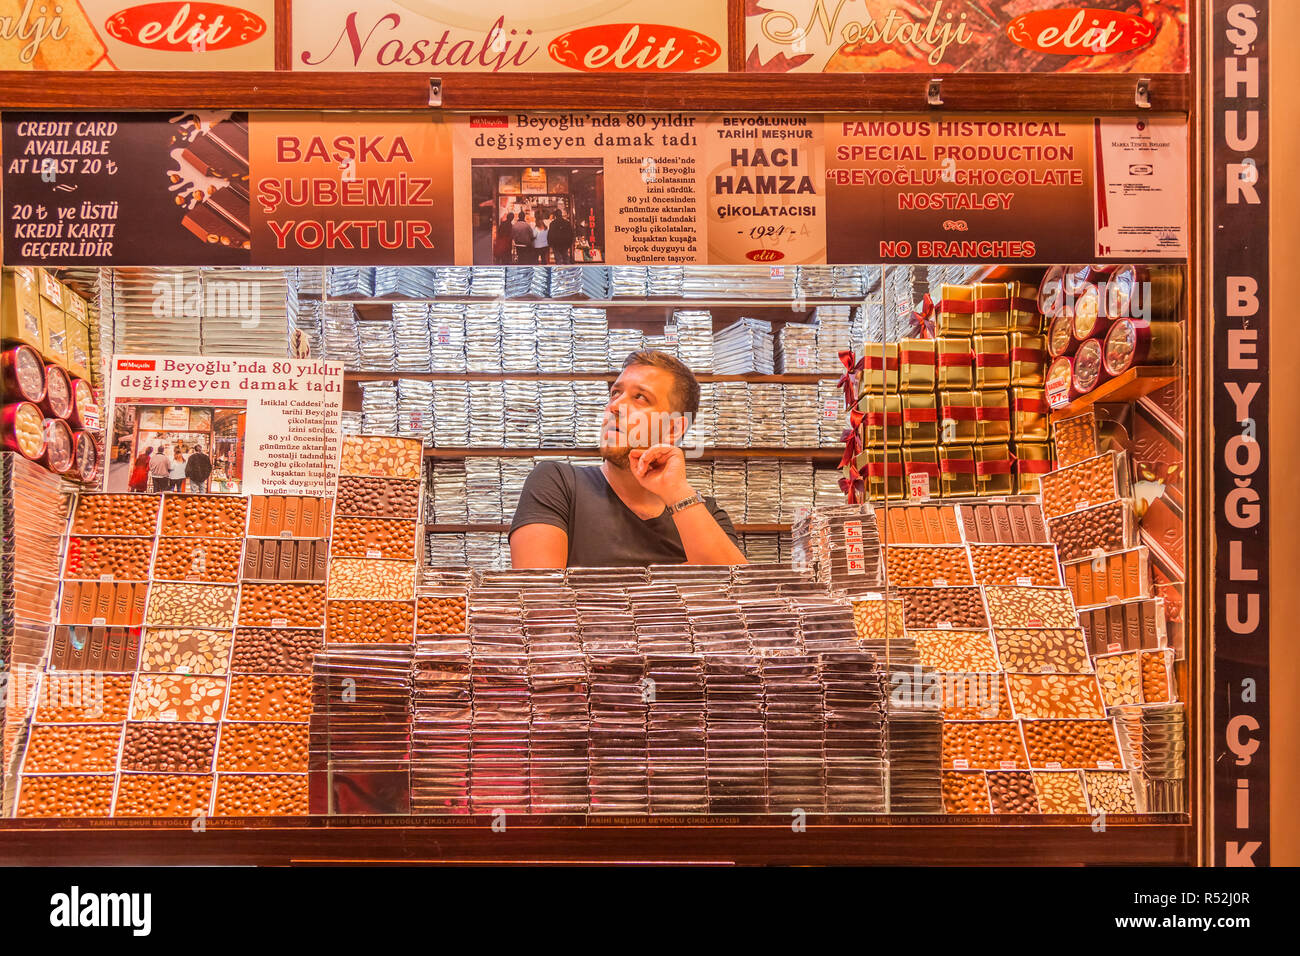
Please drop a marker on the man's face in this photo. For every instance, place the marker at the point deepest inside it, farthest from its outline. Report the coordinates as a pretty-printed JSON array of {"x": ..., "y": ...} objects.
[{"x": 639, "y": 413}]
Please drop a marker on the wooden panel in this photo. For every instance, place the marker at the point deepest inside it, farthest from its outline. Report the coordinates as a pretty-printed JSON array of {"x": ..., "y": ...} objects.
[
  {"x": 283, "y": 34},
  {"x": 882, "y": 841},
  {"x": 812, "y": 92}
]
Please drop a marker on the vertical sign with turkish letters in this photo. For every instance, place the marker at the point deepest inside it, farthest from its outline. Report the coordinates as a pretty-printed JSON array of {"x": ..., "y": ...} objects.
[{"x": 1240, "y": 223}]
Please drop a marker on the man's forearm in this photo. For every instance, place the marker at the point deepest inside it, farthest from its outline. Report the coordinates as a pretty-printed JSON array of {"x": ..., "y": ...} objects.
[{"x": 703, "y": 538}]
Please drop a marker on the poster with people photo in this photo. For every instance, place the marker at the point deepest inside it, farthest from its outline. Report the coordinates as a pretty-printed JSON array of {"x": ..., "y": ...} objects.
[
  {"x": 527, "y": 212},
  {"x": 196, "y": 449}
]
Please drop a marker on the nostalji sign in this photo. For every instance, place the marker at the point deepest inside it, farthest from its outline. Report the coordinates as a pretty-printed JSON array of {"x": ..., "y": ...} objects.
[
  {"x": 948, "y": 36},
  {"x": 120, "y": 35},
  {"x": 509, "y": 36}
]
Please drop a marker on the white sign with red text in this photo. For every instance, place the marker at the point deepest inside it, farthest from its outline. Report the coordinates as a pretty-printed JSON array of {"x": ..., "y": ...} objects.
[{"x": 269, "y": 426}]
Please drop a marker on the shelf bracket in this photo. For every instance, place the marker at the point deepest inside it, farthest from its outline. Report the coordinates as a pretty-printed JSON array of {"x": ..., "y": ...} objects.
[
  {"x": 934, "y": 92},
  {"x": 1142, "y": 94},
  {"x": 435, "y": 91}
]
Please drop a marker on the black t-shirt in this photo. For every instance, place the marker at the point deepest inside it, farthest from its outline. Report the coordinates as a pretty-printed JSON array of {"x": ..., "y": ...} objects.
[{"x": 603, "y": 532}]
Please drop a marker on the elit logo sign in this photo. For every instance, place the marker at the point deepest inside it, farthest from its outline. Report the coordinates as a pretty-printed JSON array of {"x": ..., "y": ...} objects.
[
  {"x": 1080, "y": 31},
  {"x": 185, "y": 27},
  {"x": 75, "y": 909},
  {"x": 634, "y": 48}
]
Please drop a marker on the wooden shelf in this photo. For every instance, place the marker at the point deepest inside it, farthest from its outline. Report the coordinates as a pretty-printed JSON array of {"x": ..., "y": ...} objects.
[
  {"x": 1029, "y": 93},
  {"x": 1012, "y": 840},
  {"x": 1128, "y": 387},
  {"x": 754, "y": 378},
  {"x": 777, "y": 528},
  {"x": 831, "y": 455}
]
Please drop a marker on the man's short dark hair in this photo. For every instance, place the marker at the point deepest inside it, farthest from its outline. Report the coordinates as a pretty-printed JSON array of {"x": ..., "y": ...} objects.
[{"x": 685, "y": 396}]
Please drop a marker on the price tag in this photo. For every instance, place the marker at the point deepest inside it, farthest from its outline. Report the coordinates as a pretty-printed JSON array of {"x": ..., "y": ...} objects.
[
  {"x": 444, "y": 335},
  {"x": 1053, "y": 765},
  {"x": 961, "y": 764},
  {"x": 830, "y": 410},
  {"x": 1081, "y": 504},
  {"x": 801, "y": 357},
  {"x": 99, "y": 622},
  {"x": 286, "y": 533},
  {"x": 374, "y": 553},
  {"x": 1105, "y": 765},
  {"x": 1006, "y": 765},
  {"x": 776, "y": 272},
  {"x": 1112, "y": 599},
  {"x": 90, "y": 418},
  {"x": 279, "y": 622},
  {"x": 943, "y": 625},
  {"x": 1034, "y": 622},
  {"x": 168, "y": 715},
  {"x": 106, "y": 577},
  {"x": 1025, "y": 582},
  {"x": 1113, "y": 648},
  {"x": 940, "y": 582},
  {"x": 182, "y": 668},
  {"x": 873, "y": 596},
  {"x": 1058, "y": 394},
  {"x": 853, "y": 531},
  {"x": 918, "y": 486}
]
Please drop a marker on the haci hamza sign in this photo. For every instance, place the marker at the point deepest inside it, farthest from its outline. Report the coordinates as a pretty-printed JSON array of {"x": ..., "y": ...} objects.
[{"x": 605, "y": 36}]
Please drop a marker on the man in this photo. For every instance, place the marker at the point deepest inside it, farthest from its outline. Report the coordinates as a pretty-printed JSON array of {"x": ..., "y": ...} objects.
[
  {"x": 523, "y": 234},
  {"x": 561, "y": 239},
  {"x": 160, "y": 470},
  {"x": 637, "y": 507},
  {"x": 197, "y": 468}
]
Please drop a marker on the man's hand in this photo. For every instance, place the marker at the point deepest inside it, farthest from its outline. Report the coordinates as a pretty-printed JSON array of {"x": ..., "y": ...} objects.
[{"x": 661, "y": 470}]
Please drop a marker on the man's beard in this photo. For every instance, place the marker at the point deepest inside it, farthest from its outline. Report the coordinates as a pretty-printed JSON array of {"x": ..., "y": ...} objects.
[{"x": 620, "y": 456}]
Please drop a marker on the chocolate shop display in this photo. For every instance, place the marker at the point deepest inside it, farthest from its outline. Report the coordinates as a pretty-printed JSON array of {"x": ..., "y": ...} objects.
[{"x": 1008, "y": 646}]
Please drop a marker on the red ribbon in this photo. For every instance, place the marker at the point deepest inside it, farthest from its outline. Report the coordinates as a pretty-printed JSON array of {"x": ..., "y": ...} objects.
[
  {"x": 878, "y": 468},
  {"x": 929, "y": 467},
  {"x": 1028, "y": 355},
  {"x": 993, "y": 467},
  {"x": 993, "y": 413},
  {"x": 919, "y": 415},
  {"x": 948, "y": 359},
  {"x": 1035, "y": 406},
  {"x": 918, "y": 357},
  {"x": 995, "y": 359},
  {"x": 852, "y": 446},
  {"x": 1033, "y": 466},
  {"x": 850, "y": 488},
  {"x": 878, "y": 419},
  {"x": 961, "y": 413},
  {"x": 848, "y": 381},
  {"x": 925, "y": 318},
  {"x": 876, "y": 362},
  {"x": 956, "y": 306},
  {"x": 992, "y": 305},
  {"x": 957, "y": 466}
]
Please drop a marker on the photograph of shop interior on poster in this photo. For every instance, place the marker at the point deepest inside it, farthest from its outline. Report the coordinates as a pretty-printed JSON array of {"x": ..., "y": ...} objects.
[
  {"x": 258, "y": 426},
  {"x": 291, "y": 188}
]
